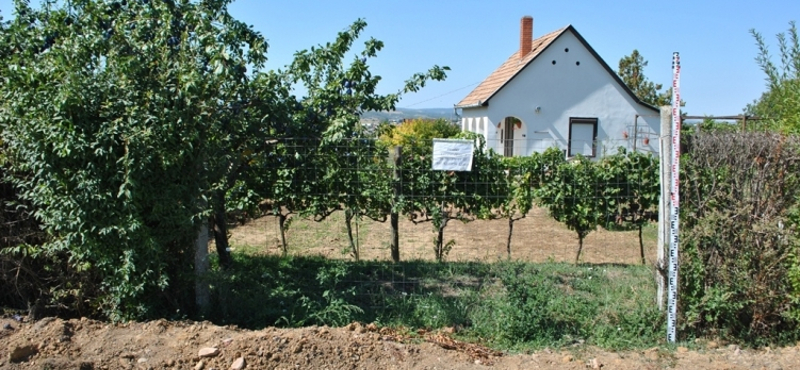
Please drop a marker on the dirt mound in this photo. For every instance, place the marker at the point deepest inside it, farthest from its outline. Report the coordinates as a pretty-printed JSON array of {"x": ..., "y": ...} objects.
[{"x": 53, "y": 343}]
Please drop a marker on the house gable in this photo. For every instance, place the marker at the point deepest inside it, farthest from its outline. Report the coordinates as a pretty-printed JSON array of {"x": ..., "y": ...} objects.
[
  {"x": 506, "y": 72},
  {"x": 515, "y": 64},
  {"x": 552, "y": 98}
]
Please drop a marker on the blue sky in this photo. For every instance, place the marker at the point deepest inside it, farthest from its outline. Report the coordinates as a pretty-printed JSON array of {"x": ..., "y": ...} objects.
[{"x": 719, "y": 73}]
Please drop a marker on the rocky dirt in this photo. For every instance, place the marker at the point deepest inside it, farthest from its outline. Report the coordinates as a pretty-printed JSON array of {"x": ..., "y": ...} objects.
[{"x": 53, "y": 343}]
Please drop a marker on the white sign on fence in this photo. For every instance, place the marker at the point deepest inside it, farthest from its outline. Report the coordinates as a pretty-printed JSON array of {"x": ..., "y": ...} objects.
[{"x": 452, "y": 154}]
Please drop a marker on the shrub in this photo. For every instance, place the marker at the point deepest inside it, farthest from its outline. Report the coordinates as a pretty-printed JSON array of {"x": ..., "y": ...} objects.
[
  {"x": 737, "y": 236},
  {"x": 418, "y": 133}
]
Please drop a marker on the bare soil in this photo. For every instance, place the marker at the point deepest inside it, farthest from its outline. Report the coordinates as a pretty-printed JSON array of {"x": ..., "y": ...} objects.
[
  {"x": 53, "y": 343},
  {"x": 85, "y": 344},
  {"x": 536, "y": 238}
]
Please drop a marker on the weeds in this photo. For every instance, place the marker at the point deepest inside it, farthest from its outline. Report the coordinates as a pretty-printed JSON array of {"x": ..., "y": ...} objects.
[{"x": 505, "y": 304}]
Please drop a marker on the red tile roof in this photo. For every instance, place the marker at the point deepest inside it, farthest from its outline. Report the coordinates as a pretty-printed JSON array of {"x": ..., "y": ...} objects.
[{"x": 508, "y": 70}]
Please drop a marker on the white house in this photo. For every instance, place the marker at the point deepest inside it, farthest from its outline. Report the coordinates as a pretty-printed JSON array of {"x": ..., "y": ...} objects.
[{"x": 556, "y": 91}]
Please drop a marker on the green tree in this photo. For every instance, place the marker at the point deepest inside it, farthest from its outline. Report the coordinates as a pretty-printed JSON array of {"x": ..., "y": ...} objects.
[
  {"x": 524, "y": 176},
  {"x": 780, "y": 104},
  {"x": 574, "y": 196},
  {"x": 426, "y": 196},
  {"x": 319, "y": 178},
  {"x": 128, "y": 124},
  {"x": 631, "y": 70},
  {"x": 632, "y": 188},
  {"x": 254, "y": 120},
  {"x": 116, "y": 116}
]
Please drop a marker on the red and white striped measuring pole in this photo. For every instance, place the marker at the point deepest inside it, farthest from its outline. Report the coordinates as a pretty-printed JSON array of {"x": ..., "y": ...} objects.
[{"x": 672, "y": 274}]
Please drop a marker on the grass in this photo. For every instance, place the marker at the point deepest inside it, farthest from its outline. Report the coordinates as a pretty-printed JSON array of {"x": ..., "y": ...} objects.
[
  {"x": 534, "y": 302},
  {"x": 510, "y": 305}
]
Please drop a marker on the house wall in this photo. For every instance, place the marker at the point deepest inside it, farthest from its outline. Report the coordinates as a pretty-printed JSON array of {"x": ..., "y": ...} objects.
[{"x": 563, "y": 90}]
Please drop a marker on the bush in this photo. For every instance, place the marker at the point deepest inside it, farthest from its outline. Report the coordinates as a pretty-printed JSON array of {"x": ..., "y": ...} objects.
[
  {"x": 738, "y": 236},
  {"x": 117, "y": 167},
  {"x": 561, "y": 304},
  {"x": 418, "y": 133}
]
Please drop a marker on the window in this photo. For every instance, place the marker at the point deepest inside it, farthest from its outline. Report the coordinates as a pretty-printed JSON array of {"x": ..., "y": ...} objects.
[{"x": 582, "y": 136}]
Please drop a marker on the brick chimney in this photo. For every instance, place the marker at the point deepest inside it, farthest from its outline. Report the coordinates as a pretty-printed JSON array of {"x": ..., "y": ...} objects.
[{"x": 525, "y": 35}]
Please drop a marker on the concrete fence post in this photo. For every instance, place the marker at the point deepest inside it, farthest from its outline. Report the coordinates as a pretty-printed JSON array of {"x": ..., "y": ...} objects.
[{"x": 665, "y": 163}]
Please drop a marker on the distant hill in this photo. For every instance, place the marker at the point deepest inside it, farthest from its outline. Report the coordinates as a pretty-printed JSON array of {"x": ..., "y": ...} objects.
[{"x": 400, "y": 114}]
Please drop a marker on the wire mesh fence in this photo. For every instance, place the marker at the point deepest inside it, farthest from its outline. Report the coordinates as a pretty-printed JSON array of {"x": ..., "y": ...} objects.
[
  {"x": 740, "y": 221},
  {"x": 328, "y": 204},
  {"x": 643, "y": 142},
  {"x": 336, "y": 198}
]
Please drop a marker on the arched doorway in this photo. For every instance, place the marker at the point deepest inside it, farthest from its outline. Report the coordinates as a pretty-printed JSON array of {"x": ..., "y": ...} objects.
[{"x": 510, "y": 128}]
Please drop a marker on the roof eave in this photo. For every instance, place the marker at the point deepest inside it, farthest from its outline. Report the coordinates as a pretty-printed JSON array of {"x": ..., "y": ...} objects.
[
  {"x": 652, "y": 107},
  {"x": 474, "y": 105}
]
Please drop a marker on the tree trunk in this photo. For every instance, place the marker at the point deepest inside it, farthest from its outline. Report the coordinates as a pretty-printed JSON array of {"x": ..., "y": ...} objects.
[
  {"x": 281, "y": 224},
  {"x": 201, "y": 291},
  {"x": 395, "y": 242},
  {"x": 220, "y": 225},
  {"x": 580, "y": 247},
  {"x": 440, "y": 243},
  {"x": 348, "y": 218},
  {"x": 510, "y": 232},
  {"x": 641, "y": 243}
]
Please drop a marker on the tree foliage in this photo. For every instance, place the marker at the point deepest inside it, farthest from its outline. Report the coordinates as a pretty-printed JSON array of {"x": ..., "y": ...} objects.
[
  {"x": 631, "y": 70},
  {"x": 128, "y": 123},
  {"x": 631, "y": 188},
  {"x": 118, "y": 117},
  {"x": 780, "y": 104},
  {"x": 418, "y": 133},
  {"x": 576, "y": 197}
]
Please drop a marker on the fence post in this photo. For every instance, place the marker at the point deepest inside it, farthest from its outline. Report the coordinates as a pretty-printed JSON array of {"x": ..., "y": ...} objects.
[
  {"x": 664, "y": 165},
  {"x": 635, "y": 131},
  {"x": 395, "y": 158}
]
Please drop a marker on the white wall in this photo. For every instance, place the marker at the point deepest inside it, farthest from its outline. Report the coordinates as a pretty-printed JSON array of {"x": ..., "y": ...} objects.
[{"x": 562, "y": 91}]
